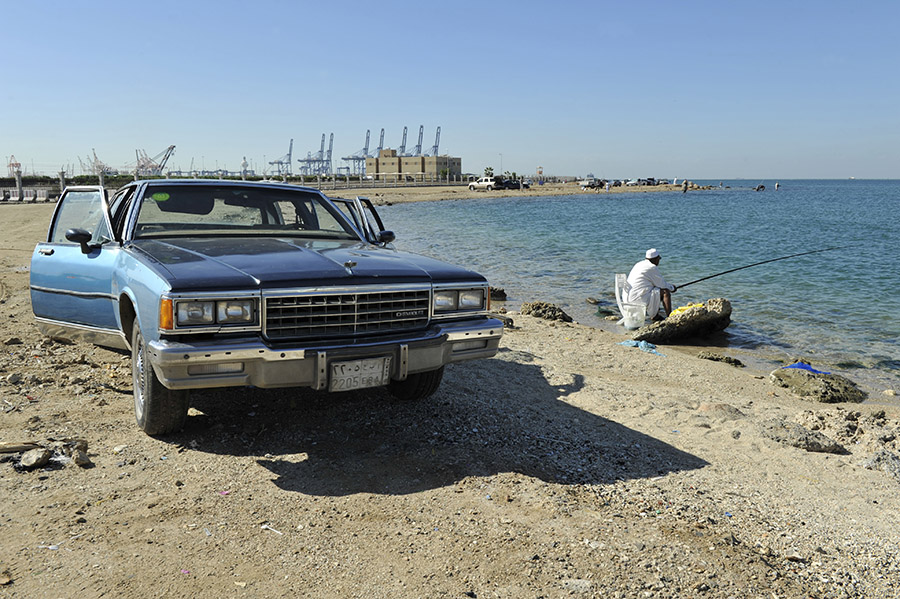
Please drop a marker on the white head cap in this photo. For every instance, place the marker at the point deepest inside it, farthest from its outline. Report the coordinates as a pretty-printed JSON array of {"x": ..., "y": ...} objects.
[{"x": 652, "y": 253}]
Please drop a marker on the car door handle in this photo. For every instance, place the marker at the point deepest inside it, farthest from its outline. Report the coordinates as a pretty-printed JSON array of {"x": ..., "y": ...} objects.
[{"x": 46, "y": 251}]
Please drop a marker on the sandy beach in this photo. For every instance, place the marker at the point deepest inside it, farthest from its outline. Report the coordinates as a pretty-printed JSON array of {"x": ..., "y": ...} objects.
[
  {"x": 402, "y": 193},
  {"x": 567, "y": 466}
]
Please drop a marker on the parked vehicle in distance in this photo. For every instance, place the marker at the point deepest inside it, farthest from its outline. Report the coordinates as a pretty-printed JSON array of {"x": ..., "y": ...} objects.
[
  {"x": 213, "y": 283},
  {"x": 514, "y": 184},
  {"x": 487, "y": 183},
  {"x": 593, "y": 183},
  {"x": 632, "y": 183}
]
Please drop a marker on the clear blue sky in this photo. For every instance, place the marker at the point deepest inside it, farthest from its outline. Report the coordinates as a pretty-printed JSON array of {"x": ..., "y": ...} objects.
[{"x": 763, "y": 89}]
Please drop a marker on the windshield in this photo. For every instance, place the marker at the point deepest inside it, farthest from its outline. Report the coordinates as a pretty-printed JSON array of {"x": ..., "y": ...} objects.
[{"x": 199, "y": 210}]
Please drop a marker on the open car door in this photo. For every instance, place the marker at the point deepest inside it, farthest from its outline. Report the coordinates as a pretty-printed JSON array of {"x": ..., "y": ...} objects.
[
  {"x": 364, "y": 217},
  {"x": 71, "y": 289}
]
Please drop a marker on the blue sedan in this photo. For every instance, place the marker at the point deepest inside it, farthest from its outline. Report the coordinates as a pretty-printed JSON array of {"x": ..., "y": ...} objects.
[{"x": 216, "y": 284}]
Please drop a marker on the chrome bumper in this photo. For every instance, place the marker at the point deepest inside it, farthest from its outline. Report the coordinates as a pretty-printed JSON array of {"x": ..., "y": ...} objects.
[{"x": 181, "y": 365}]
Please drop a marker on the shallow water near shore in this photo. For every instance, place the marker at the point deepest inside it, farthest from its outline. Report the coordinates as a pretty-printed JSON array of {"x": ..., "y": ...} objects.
[{"x": 832, "y": 308}]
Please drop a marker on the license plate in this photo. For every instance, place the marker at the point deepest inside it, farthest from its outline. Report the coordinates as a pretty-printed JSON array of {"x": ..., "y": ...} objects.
[{"x": 359, "y": 374}]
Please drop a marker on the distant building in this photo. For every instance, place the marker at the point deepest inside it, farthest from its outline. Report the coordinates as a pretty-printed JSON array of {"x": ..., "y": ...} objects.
[{"x": 389, "y": 166}]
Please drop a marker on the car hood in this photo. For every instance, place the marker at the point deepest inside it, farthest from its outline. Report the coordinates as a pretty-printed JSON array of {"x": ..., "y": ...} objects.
[{"x": 241, "y": 262}]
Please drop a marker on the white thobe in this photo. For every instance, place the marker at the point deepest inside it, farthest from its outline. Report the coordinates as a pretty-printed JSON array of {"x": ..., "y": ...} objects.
[{"x": 644, "y": 282}]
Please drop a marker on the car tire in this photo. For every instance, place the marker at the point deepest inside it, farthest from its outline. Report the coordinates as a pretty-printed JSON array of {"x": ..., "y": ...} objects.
[
  {"x": 489, "y": 188},
  {"x": 157, "y": 409},
  {"x": 471, "y": 188},
  {"x": 417, "y": 386}
]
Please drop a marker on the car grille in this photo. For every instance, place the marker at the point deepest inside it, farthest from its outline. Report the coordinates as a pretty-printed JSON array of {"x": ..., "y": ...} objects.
[{"x": 345, "y": 314}]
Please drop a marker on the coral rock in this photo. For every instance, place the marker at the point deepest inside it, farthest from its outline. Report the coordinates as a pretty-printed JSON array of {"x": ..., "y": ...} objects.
[{"x": 698, "y": 321}]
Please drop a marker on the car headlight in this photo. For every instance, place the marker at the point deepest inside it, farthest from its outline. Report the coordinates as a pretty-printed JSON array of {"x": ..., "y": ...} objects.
[
  {"x": 446, "y": 300},
  {"x": 221, "y": 312},
  {"x": 471, "y": 299},
  {"x": 194, "y": 313},
  {"x": 451, "y": 300},
  {"x": 234, "y": 311}
]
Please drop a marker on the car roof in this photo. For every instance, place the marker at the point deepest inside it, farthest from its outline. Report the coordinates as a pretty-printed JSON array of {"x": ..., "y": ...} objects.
[{"x": 223, "y": 183}]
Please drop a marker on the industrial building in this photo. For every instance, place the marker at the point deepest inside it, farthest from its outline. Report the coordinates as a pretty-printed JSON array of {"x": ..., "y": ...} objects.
[{"x": 388, "y": 165}]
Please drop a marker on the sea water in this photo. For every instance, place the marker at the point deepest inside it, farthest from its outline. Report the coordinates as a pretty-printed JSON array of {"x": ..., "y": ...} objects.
[{"x": 837, "y": 309}]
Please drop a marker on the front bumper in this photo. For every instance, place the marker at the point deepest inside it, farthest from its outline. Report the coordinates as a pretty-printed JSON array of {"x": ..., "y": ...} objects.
[{"x": 234, "y": 363}]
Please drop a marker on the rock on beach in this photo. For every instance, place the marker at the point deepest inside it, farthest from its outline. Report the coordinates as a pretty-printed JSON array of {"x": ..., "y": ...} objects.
[
  {"x": 818, "y": 386},
  {"x": 796, "y": 435},
  {"x": 716, "y": 357},
  {"x": 35, "y": 458},
  {"x": 546, "y": 311},
  {"x": 696, "y": 321}
]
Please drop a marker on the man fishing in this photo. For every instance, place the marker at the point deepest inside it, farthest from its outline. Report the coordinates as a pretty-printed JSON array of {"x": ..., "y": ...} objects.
[{"x": 648, "y": 287}]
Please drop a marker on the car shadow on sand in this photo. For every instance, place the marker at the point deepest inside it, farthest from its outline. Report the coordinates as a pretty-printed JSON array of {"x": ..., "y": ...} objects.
[{"x": 488, "y": 417}]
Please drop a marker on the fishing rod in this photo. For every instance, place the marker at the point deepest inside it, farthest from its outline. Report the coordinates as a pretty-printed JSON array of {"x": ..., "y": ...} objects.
[{"x": 764, "y": 262}]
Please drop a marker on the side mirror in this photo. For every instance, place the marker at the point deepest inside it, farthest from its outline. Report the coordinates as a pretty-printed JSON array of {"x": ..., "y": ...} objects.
[
  {"x": 386, "y": 237},
  {"x": 80, "y": 236}
]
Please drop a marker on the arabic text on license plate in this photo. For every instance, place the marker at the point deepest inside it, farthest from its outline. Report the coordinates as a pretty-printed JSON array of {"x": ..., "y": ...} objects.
[{"x": 358, "y": 374}]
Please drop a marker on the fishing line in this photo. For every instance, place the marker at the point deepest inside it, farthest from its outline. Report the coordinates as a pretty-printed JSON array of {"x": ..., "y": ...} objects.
[{"x": 764, "y": 262}]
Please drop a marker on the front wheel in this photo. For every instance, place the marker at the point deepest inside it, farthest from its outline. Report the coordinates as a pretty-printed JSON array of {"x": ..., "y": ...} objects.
[
  {"x": 471, "y": 188},
  {"x": 417, "y": 386},
  {"x": 157, "y": 409}
]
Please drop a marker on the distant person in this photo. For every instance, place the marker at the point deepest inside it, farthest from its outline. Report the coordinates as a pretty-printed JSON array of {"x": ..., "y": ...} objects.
[
  {"x": 777, "y": 185},
  {"x": 607, "y": 186},
  {"x": 684, "y": 186},
  {"x": 648, "y": 287}
]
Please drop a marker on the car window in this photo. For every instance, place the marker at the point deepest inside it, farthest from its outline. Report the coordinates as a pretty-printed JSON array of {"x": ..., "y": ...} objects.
[
  {"x": 372, "y": 224},
  {"x": 197, "y": 210},
  {"x": 348, "y": 209},
  {"x": 309, "y": 215},
  {"x": 118, "y": 209},
  {"x": 83, "y": 209}
]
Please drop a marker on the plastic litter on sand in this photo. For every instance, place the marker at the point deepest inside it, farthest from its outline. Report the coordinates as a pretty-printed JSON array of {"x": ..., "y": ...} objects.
[
  {"x": 643, "y": 346},
  {"x": 807, "y": 367}
]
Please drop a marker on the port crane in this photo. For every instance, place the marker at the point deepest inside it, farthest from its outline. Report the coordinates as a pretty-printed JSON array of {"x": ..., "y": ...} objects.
[
  {"x": 94, "y": 166},
  {"x": 13, "y": 166},
  {"x": 320, "y": 162},
  {"x": 357, "y": 160},
  {"x": 401, "y": 151},
  {"x": 437, "y": 141},
  {"x": 380, "y": 145},
  {"x": 283, "y": 164},
  {"x": 311, "y": 159},
  {"x": 418, "y": 150},
  {"x": 327, "y": 164},
  {"x": 145, "y": 165}
]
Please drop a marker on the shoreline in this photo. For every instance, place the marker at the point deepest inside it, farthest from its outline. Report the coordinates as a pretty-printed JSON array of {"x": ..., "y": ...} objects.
[
  {"x": 760, "y": 361},
  {"x": 763, "y": 354},
  {"x": 397, "y": 195}
]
